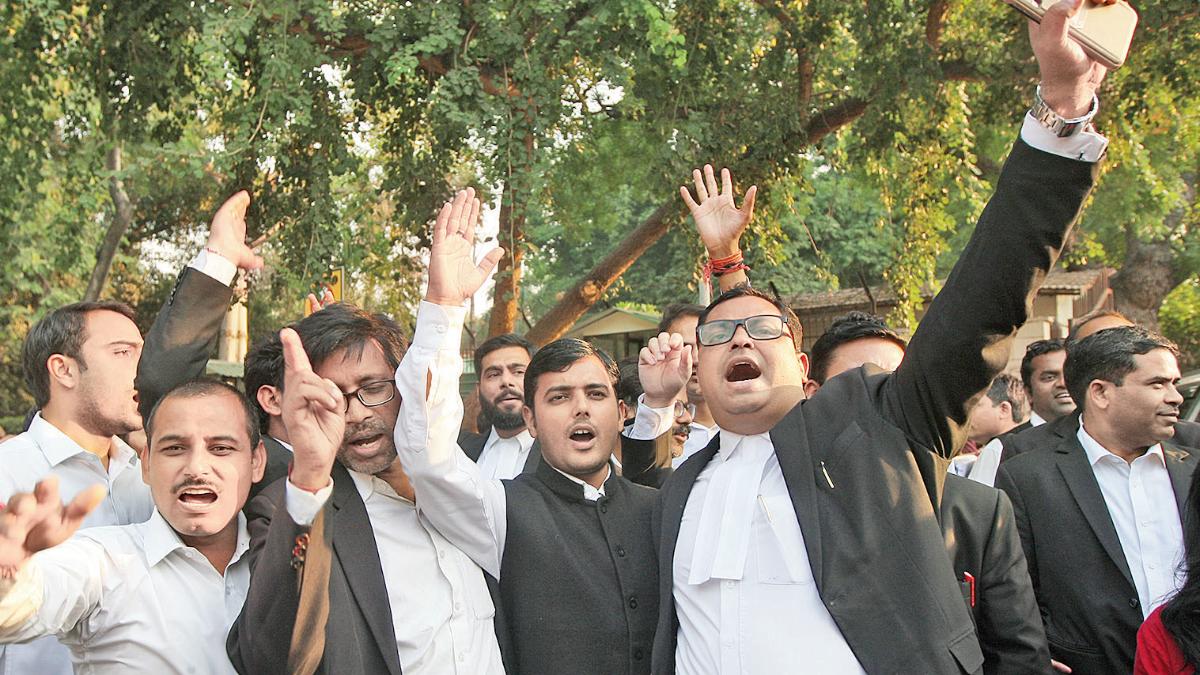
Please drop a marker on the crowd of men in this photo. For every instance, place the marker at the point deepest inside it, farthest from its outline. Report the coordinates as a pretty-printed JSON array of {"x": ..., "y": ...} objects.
[{"x": 727, "y": 503}]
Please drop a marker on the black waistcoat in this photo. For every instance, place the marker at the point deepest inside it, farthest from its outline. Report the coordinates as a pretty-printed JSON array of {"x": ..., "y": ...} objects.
[{"x": 579, "y": 580}]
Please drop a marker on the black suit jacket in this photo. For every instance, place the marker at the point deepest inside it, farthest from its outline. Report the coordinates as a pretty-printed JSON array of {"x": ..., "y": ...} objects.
[
  {"x": 982, "y": 540},
  {"x": 1050, "y": 434},
  {"x": 359, "y": 635},
  {"x": 177, "y": 348},
  {"x": 863, "y": 456},
  {"x": 1079, "y": 572}
]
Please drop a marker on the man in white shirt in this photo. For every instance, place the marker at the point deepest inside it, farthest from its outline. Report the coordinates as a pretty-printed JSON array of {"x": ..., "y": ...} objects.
[
  {"x": 153, "y": 597},
  {"x": 84, "y": 366},
  {"x": 400, "y": 596},
  {"x": 502, "y": 450},
  {"x": 1106, "y": 500},
  {"x": 1003, "y": 408}
]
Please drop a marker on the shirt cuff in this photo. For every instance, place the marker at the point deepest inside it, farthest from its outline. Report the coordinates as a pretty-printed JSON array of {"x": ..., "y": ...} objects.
[
  {"x": 1085, "y": 146},
  {"x": 303, "y": 506},
  {"x": 650, "y": 423},
  {"x": 436, "y": 323},
  {"x": 214, "y": 265},
  {"x": 20, "y": 597}
]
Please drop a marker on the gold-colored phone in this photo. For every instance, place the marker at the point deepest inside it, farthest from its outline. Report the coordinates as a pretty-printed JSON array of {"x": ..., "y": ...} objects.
[{"x": 1104, "y": 32}]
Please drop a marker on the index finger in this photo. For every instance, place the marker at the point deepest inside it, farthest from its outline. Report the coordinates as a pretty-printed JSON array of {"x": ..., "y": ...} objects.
[
  {"x": 84, "y": 503},
  {"x": 294, "y": 356}
]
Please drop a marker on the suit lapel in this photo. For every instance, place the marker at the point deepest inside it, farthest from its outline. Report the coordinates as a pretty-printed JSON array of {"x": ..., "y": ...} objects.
[
  {"x": 1081, "y": 481},
  {"x": 1181, "y": 464},
  {"x": 358, "y": 554},
  {"x": 533, "y": 459},
  {"x": 674, "y": 498},
  {"x": 799, "y": 473}
]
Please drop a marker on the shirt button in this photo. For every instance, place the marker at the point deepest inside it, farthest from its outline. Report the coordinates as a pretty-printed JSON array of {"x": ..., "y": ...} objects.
[
  {"x": 633, "y": 602},
  {"x": 1152, "y": 566},
  {"x": 604, "y": 507},
  {"x": 637, "y": 654},
  {"x": 729, "y": 584},
  {"x": 1133, "y": 602},
  {"x": 442, "y": 554},
  {"x": 458, "y": 606}
]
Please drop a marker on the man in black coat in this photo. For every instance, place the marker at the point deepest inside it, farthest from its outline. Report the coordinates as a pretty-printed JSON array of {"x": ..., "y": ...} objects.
[
  {"x": 819, "y": 520},
  {"x": 1099, "y": 512}
]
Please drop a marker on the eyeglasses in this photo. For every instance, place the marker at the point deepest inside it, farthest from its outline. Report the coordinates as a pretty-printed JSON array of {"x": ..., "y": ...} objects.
[
  {"x": 372, "y": 394},
  {"x": 681, "y": 408},
  {"x": 760, "y": 327}
]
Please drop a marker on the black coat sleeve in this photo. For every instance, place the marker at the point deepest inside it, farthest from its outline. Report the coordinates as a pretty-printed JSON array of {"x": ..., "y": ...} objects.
[{"x": 182, "y": 337}]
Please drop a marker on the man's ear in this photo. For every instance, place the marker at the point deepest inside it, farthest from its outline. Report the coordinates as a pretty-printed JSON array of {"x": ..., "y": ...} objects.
[
  {"x": 1006, "y": 410},
  {"x": 270, "y": 399},
  {"x": 1097, "y": 394},
  {"x": 623, "y": 409},
  {"x": 803, "y": 359},
  {"x": 258, "y": 462},
  {"x": 530, "y": 424},
  {"x": 64, "y": 370},
  {"x": 810, "y": 388}
]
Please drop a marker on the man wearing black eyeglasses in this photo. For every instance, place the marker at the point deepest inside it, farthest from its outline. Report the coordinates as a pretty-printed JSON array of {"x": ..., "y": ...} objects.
[{"x": 806, "y": 536}]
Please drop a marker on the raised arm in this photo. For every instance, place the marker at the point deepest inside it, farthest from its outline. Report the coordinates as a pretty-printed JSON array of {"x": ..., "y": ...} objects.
[
  {"x": 186, "y": 328},
  {"x": 466, "y": 508},
  {"x": 965, "y": 338}
]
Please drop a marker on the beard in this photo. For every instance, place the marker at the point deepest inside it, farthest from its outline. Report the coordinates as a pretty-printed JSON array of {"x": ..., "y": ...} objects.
[
  {"x": 499, "y": 418},
  {"x": 93, "y": 416},
  {"x": 381, "y": 460}
]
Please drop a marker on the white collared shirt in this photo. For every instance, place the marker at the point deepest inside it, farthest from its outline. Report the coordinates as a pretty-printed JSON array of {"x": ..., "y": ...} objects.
[
  {"x": 984, "y": 469},
  {"x": 442, "y": 612},
  {"x": 1141, "y": 503},
  {"x": 130, "y": 599},
  {"x": 743, "y": 586},
  {"x": 45, "y": 450},
  {"x": 505, "y": 457}
]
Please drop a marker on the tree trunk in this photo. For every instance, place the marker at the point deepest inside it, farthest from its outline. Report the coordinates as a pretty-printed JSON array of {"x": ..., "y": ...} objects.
[
  {"x": 122, "y": 218},
  {"x": 579, "y": 299},
  {"x": 507, "y": 295}
]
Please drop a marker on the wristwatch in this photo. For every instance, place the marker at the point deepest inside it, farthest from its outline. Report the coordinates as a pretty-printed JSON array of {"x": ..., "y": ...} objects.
[{"x": 1059, "y": 125}]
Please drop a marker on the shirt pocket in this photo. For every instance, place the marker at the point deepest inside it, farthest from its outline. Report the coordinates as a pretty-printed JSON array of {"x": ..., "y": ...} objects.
[{"x": 778, "y": 543}]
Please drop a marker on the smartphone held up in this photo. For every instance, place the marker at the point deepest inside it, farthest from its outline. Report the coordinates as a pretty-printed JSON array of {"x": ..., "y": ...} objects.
[{"x": 1104, "y": 31}]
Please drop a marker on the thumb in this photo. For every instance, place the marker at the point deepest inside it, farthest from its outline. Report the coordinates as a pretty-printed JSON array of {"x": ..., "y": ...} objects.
[
  {"x": 83, "y": 504},
  {"x": 747, "y": 209},
  {"x": 490, "y": 261},
  {"x": 235, "y": 206}
]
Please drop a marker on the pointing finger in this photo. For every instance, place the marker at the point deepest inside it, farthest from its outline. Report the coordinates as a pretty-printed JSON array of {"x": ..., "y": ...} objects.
[{"x": 295, "y": 359}]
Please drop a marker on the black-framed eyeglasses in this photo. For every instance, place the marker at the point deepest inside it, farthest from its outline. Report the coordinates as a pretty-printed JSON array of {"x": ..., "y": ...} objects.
[
  {"x": 759, "y": 327},
  {"x": 681, "y": 408},
  {"x": 372, "y": 394}
]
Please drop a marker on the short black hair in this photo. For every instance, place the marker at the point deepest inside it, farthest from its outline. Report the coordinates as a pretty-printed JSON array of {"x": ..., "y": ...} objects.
[
  {"x": 344, "y": 326},
  {"x": 62, "y": 331},
  {"x": 1108, "y": 355},
  {"x": 205, "y": 387},
  {"x": 1084, "y": 320},
  {"x": 560, "y": 355},
  {"x": 1007, "y": 387},
  {"x": 629, "y": 387},
  {"x": 1035, "y": 349},
  {"x": 793, "y": 321},
  {"x": 498, "y": 342},
  {"x": 847, "y": 328},
  {"x": 677, "y": 310},
  {"x": 263, "y": 366}
]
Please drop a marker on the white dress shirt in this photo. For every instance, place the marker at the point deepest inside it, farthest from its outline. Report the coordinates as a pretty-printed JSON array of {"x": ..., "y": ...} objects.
[
  {"x": 441, "y": 611},
  {"x": 1141, "y": 503},
  {"x": 744, "y": 590},
  {"x": 129, "y": 599},
  {"x": 988, "y": 463},
  {"x": 504, "y": 458}
]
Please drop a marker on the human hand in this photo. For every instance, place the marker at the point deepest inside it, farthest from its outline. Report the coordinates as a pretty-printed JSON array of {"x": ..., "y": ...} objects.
[
  {"x": 313, "y": 411},
  {"x": 1059, "y": 666},
  {"x": 34, "y": 522},
  {"x": 227, "y": 234},
  {"x": 1070, "y": 77},
  {"x": 718, "y": 220},
  {"x": 453, "y": 275},
  {"x": 314, "y": 305},
  {"x": 664, "y": 367}
]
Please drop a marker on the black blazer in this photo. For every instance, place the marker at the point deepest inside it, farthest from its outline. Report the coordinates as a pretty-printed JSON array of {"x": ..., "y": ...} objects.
[
  {"x": 863, "y": 455},
  {"x": 1082, "y": 580},
  {"x": 177, "y": 348},
  {"x": 1050, "y": 434},
  {"x": 981, "y": 538},
  {"x": 359, "y": 635}
]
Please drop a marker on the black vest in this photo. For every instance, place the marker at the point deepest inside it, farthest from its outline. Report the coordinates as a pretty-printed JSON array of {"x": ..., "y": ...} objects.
[{"x": 579, "y": 580}]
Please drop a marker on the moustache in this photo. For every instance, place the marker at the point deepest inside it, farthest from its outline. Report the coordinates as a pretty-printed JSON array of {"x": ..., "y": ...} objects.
[
  {"x": 193, "y": 483},
  {"x": 366, "y": 429}
]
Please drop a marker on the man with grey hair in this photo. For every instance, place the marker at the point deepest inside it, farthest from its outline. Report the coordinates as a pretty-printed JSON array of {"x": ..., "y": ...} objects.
[{"x": 1099, "y": 512}]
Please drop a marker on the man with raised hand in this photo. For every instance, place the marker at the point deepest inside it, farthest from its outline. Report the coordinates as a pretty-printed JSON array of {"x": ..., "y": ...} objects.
[
  {"x": 808, "y": 531},
  {"x": 153, "y": 597},
  {"x": 397, "y": 595},
  {"x": 570, "y": 544}
]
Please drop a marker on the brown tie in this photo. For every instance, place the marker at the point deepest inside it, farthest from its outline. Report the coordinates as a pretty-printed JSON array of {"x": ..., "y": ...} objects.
[{"x": 308, "y": 633}]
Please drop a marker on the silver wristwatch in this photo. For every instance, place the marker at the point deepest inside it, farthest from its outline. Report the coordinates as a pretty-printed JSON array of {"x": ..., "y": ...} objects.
[{"x": 1059, "y": 125}]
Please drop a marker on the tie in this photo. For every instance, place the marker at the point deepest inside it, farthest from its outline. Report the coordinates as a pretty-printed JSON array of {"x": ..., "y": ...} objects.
[{"x": 727, "y": 518}]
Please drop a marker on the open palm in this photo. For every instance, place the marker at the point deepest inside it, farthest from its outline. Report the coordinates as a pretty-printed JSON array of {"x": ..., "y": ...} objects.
[
  {"x": 719, "y": 221},
  {"x": 453, "y": 274}
]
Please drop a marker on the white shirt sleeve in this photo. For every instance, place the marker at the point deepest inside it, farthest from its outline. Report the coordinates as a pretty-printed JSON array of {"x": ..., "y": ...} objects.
[
  {"x": 214, "y": 265},
  {"x": 53, "y": 592},
  {"x": 302, "y": 505},
  {"x": 650, "y": 423},
  {"x": 984, "y": 469},
  {"x": 1085, "y": 146},
  {"x": 466, "y": 508}
]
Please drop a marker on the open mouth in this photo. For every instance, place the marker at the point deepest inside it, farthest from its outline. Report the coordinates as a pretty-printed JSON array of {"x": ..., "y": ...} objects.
[
  {"x": 742, "y": 371},
  {"x": 582, "y": 436},
  {"x": 366, "y": 442},
  {"x": 198, "y": 496}
]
